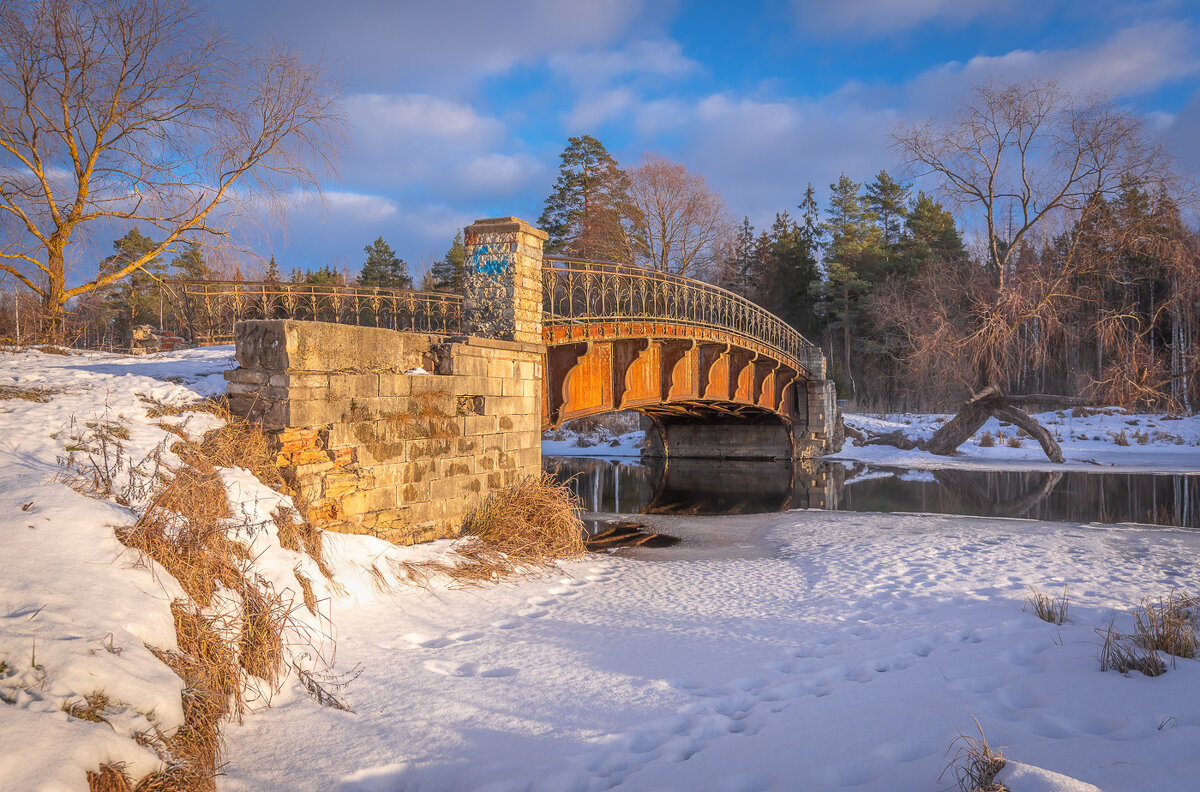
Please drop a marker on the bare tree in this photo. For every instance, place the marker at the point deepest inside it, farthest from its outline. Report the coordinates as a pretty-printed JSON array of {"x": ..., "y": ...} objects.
[
  {"x": 678, "y": 225},
  {"x": 1024, "y": 158},
  {"x": 123, "y": 112}
]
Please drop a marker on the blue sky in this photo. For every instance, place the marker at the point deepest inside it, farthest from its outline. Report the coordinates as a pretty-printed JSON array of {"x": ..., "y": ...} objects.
[{"x": 459, "y": 110}]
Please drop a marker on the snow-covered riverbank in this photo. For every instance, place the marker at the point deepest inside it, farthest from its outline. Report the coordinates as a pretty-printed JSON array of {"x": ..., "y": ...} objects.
[
  {"x": 805, "y": 650},
  {"x": 1108, "y": 440}
]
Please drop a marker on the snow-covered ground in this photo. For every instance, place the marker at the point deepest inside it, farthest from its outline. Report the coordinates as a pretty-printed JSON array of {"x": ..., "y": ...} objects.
[
  {"x": 805, "y": 650},
  {"x": 801, "y": 651},
  {"x": 617, "y": 438},
  {"x": 1111, "y": 440}
]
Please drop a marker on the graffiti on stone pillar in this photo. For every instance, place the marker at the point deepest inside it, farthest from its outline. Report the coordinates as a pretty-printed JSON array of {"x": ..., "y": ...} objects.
[{"x": 492, "y": 255}]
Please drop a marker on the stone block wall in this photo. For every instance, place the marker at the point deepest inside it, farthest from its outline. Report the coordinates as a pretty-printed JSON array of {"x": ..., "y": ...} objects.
[
  {"x": 820, "y": 434},
  {"x": 392, "y": 434}
]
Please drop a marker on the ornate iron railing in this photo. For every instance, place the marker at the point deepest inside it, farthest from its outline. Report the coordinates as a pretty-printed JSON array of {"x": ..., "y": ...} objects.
[
  {"x": 205, "y": 311},
  {"x": 579, "y": 291}
]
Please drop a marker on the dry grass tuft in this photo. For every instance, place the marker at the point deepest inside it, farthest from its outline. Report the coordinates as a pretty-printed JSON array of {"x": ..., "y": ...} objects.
[
  {"x": 91, "y": 708},
  {"x": 300, "y": 535},
  {"x": 306, "y": 589},
  {"x": 1121, "y": 439},
  {"x": 39, "y": 395},
  {"x": 1124, "y": 653},
  {"x": 181, "y": 530},
  {"x": 520, "y": 529},
  {"x": 987, "y": 440},
  {"x": 1168, "y": 625},
  {"x": 110, "y": 778},
  {"x": 1048, "y": 608},
  {"x": 260, "y": 640},
  {"x": 974, "y": 764},
  {"x": 244, "y": 444},
  {"x": 1014, "y": 442},
  {"x": 213, "y": 689}
]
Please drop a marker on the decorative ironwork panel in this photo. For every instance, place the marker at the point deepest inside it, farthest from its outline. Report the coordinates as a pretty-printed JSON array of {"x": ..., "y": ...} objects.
[
  {"x": 580, "y": 292},
  {"x": 206, "y": 311}
]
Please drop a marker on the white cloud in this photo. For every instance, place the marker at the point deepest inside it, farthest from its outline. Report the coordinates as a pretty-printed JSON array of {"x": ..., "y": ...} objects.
[
  {"x": 499, "y": 173},
  {"x": 642, "y": 58},
  {"x": 888, "y": 17},
  {"x": 444, "y": 45},
  {"x": 360, "y": 205},
  {"x": 405, "y": 117},
  {"x": 1136, "y": 60},
  {"x": 416, "y": 141},
  {"x": 590, "y": 112}
]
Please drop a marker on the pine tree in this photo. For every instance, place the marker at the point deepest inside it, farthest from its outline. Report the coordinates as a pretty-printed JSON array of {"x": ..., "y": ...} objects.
[
  {"x": 814, "y": 234},
  {"x": 383, "y": 268},
  {"x": 584, "y": 214},
  {"x": 272, "y": 275},
  {"x": 930, "y": 231},
  {"x": 327, "y": 275},
  {"x": 791, "y": 271},
  {"x": 887, "y": 199},
  {"x": 189, "y": 263},
  {"x": 852, "y": 261},
  {"x": 449, "y": 274},
  {"x": 136, "y": 299}
]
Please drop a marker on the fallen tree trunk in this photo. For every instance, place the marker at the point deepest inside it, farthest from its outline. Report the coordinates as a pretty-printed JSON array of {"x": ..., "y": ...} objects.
[
  {"x": 974, "y": 413},
  {"x": 971, "y": 415},
  {"x": 1025, "y": 421}
]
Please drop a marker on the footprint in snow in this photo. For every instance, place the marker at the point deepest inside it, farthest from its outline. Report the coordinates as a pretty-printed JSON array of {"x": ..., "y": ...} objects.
[
  {"x": 427, "y": 641},
  {"x": 464, "y": 636},
  {"x": 452, "y": 669}
]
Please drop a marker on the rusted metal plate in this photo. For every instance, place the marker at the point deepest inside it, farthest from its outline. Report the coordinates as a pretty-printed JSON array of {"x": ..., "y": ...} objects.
[{"x": 589, "y": 383}]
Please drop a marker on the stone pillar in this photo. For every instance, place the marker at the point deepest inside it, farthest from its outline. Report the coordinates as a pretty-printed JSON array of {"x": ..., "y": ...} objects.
[
  {"x": 502, "y": 296},
  {"x": 819, "y": 401}
]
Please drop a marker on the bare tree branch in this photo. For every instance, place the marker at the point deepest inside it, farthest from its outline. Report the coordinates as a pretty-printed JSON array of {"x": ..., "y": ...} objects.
[{"x": 138, "y": 112}]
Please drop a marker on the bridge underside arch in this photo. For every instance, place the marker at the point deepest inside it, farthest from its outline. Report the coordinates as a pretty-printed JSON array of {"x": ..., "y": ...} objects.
[{"x": 706, "y": 398}]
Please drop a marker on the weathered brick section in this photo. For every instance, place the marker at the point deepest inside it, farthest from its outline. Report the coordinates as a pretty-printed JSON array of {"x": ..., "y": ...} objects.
[{"x": 373, "y": 447}]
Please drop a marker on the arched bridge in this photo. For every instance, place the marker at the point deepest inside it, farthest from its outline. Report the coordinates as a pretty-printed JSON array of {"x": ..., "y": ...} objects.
[
  {"x": 717, "y": 374},
  {"x": 700, "y": 361}
]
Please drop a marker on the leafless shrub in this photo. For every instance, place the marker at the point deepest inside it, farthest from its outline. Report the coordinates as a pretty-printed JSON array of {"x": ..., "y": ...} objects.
[
  {"x": 987, "y": 440},
  {"x": 1014, "y": 442},
  {"x": 1121, "y": 438},
  {"x": 974, "y": 764},
  {"x": 98, "y": 464},
  {"x": 1049, "y": 609}
]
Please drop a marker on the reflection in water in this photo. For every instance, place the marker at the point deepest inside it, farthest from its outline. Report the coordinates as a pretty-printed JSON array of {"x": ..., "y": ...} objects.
[{"x": 698, "y": 486}]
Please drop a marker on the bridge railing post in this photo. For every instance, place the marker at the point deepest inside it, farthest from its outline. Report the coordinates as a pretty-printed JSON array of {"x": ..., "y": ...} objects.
[{"x": 502, "y": 294}]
